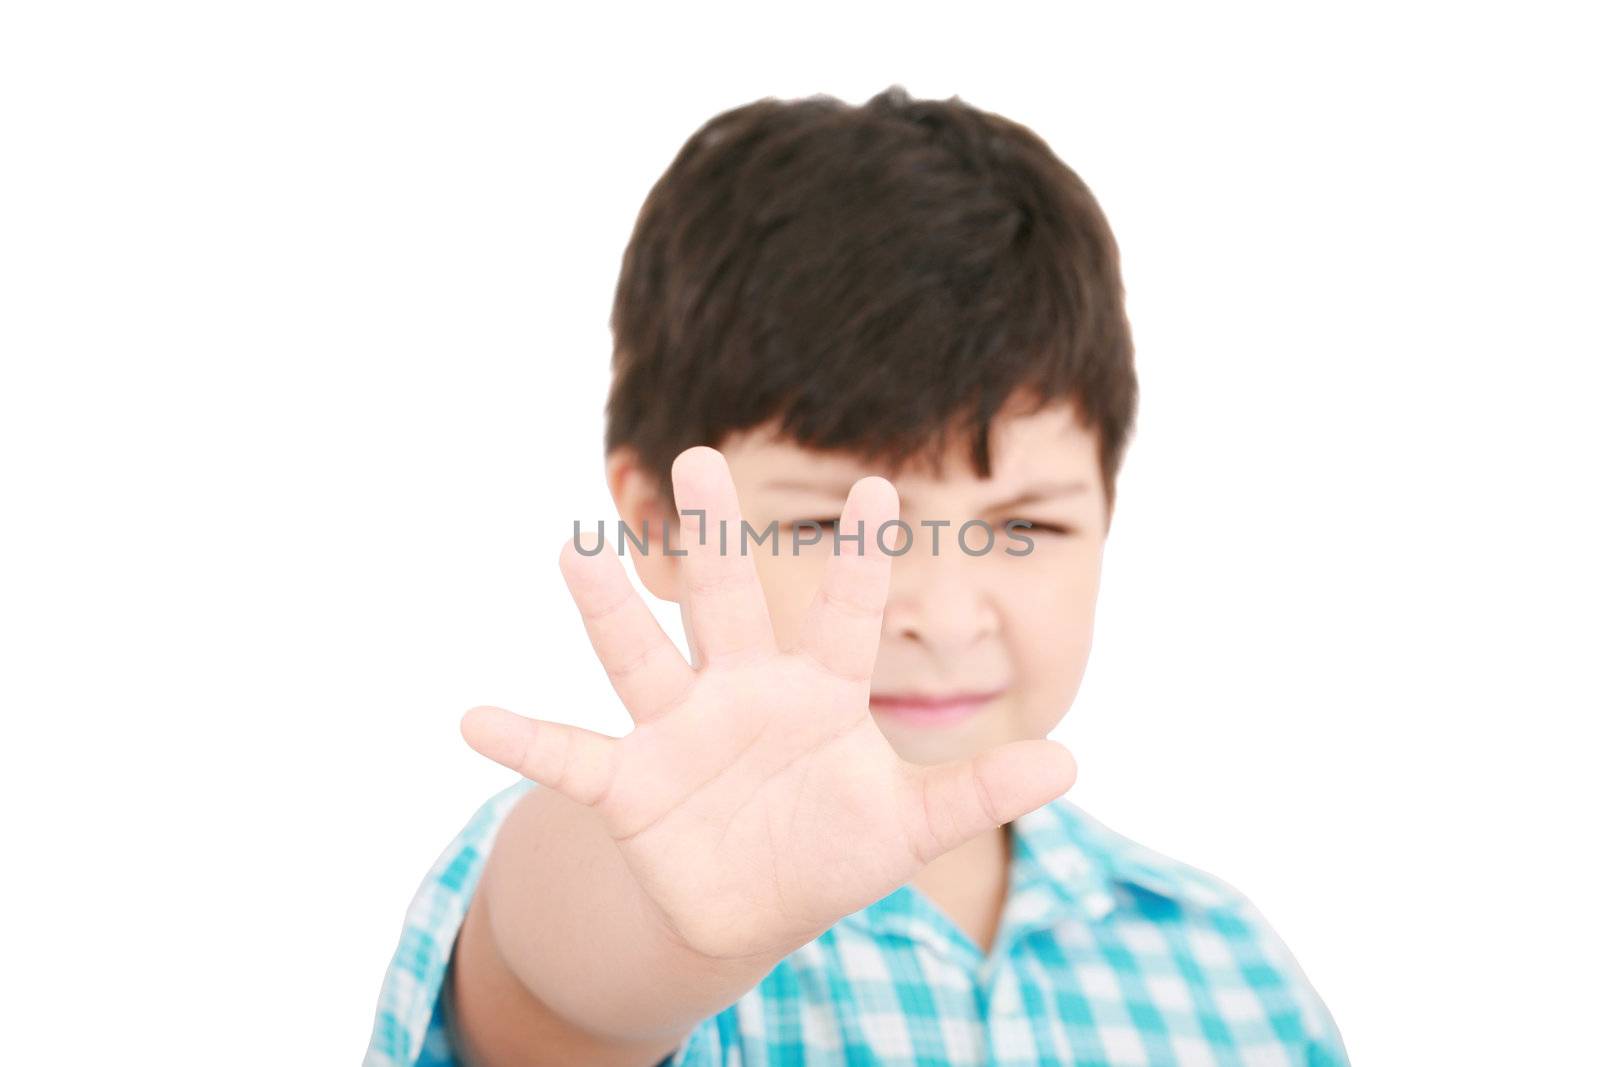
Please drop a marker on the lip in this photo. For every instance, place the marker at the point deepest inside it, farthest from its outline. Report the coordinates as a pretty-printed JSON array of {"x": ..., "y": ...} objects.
[{"x": 932, "y": 710}]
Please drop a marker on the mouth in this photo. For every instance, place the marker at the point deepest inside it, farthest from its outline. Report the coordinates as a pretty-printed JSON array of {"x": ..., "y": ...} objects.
[{"x": 932, "y": 710}]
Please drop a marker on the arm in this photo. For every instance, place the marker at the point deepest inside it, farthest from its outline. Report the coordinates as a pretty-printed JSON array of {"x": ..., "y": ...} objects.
[{"x": 595, "y": 988}]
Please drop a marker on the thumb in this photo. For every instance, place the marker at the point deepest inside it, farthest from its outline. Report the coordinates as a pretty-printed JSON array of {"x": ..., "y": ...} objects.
[{"x": 955, "y": 802}]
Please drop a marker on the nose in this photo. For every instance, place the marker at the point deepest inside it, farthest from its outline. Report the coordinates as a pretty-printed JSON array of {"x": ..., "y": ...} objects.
[{"x": 939, "y": 600}]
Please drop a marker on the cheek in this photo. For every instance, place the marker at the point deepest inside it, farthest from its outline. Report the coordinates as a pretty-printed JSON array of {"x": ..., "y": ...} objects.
[{"x": 1049, "y": 619}]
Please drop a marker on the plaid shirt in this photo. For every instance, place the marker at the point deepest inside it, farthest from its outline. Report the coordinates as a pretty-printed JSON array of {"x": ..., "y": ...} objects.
[{"x": 1107, "y": 953}]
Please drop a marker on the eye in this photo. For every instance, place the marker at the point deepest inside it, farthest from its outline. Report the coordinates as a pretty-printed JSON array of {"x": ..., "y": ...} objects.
[
  {"x": 1032, "y": 526},
  {"x": 826, "y": 524}
]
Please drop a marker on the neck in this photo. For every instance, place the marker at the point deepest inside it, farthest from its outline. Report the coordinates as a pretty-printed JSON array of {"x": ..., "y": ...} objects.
[{"x": 973, "y": 869}]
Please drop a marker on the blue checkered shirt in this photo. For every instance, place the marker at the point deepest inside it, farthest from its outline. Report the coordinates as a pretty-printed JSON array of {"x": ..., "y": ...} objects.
[{"x": 1107, "y": 953}]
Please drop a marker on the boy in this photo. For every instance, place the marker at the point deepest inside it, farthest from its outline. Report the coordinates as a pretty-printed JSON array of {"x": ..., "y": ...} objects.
[{"x": 849, "y": 341}]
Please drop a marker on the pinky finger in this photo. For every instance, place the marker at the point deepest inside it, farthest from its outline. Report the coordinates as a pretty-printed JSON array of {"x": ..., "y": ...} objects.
[{"x": 575, "y": 762}]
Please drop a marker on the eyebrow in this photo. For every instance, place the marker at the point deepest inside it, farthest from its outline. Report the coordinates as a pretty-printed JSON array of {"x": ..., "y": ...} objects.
[{"x": 1032, "y": 495}]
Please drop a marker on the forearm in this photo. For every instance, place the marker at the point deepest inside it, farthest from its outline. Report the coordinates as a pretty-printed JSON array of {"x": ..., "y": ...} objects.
[{"x": 561, "y": 953}]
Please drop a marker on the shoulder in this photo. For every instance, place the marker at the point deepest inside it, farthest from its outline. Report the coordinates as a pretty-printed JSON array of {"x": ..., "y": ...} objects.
[
  {"x": 408, "y": 1029},
  {"x": 1122, "y": 860},
  {"x": 1208, "y": 932}
]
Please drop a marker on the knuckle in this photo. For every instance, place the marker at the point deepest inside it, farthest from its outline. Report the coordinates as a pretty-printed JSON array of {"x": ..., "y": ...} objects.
[
  {"x": 606, "y": 611},
  {"x": 981, "y": 791},
  {"x": 720, "y": 582},
  {"x": 839, "y": 602},
  {"x": 630, "y": 666}
]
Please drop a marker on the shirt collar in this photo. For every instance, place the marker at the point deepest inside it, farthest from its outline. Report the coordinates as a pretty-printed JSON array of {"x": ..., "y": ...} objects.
[
  {"x": 1064, "y": 864},
  {"x": 1125, "y": 862}
]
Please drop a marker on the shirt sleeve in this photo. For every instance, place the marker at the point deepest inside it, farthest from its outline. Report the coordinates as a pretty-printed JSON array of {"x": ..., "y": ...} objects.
[
  {"x": 409, "y": 1029},
  {"x": 1324, "y": 1046}
]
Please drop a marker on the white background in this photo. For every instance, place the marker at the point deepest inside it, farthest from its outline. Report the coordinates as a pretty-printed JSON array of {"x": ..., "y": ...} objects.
[{"x": 304, "y": 330}]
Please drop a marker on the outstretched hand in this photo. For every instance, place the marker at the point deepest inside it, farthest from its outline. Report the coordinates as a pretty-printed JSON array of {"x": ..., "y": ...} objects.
[{"x": 756, "y": 801}]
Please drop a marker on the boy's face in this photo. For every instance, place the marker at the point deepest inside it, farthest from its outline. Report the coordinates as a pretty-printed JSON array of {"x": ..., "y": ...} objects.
[{"x": 1012, "y": 632}]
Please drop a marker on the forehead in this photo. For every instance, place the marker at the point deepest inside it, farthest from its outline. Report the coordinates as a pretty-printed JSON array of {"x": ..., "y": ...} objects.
[{"x": 1052, "y": 443}]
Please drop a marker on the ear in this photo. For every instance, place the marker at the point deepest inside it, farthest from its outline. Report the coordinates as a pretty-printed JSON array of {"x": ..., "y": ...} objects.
[{"x": 647, "y": 515}]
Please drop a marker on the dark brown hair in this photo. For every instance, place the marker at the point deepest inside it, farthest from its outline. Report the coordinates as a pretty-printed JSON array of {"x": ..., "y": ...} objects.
[{"x": 874, "y": 278}]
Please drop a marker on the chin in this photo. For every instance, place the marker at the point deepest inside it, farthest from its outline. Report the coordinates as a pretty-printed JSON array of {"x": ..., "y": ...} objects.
[{"x": 931, "y": 745}]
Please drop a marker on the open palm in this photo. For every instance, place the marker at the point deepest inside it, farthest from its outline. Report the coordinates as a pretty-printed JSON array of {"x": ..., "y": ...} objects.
[{"x": 756, "y": 801}]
